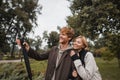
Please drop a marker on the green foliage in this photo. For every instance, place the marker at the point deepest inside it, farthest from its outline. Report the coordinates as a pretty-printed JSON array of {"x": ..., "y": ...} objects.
[
  {"x": 52, "y": 38},
  {"x": 113, "y": 44},
  {"x": 16, "y": 14},
  {"x": 13, "y": 72},
  {"x": 98, "y": 20},
  {"x": 17, "y": 71},
  {"x": 106, "y": 54},
  {"x": 4, "y": 46},
  {"x": 93, "y": 17},
  {"x": 36, "y": 42}
]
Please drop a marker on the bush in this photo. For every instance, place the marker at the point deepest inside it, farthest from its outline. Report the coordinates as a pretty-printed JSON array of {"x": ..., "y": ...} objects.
[
  {"x": 10, "y": 71},
  {"x": 106, "y": 54},
  {"x": 17, "y": 71}
]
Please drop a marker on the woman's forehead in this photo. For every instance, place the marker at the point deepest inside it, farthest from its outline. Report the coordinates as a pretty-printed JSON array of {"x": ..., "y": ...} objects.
[{"x": 78, "y": 39}]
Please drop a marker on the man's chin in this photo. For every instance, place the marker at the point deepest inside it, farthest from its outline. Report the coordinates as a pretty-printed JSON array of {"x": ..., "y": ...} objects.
[{"x": 61, "y": 41}]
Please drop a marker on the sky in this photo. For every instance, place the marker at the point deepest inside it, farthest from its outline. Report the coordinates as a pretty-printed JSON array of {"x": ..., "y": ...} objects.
[{"x": 54, "y": 13}]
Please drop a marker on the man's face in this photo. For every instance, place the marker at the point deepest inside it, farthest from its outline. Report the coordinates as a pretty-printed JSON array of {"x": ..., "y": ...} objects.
[{"x": 63, "y": 38}]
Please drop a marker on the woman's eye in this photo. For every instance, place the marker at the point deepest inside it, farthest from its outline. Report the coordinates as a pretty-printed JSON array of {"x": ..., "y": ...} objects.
[{"x": 78, "y": 42}]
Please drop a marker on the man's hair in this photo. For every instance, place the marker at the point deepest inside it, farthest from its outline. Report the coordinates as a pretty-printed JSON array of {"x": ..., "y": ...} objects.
[{"x": 67, "y": 30}]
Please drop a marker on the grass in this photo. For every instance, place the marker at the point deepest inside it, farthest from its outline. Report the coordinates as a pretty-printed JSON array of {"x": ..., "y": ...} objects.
[
  {"x": 38, "y": 66},
  {"x": 17, "y": 70},
  {"x": 109, "y": 70}
]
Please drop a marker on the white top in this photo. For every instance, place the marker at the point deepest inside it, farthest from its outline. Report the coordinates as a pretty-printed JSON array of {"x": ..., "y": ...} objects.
[{"x": 90, "y": 71}]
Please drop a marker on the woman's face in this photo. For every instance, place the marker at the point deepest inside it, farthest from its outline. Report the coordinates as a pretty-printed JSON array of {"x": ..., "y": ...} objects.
[{"x": 78, "y": 44}]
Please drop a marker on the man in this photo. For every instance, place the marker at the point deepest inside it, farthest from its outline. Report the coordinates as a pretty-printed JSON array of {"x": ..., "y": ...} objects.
[{"x": 59, "y": 60}]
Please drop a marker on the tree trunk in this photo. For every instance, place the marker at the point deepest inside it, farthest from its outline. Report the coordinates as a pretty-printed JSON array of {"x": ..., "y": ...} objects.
[
  {"x": 119, "y": 63},
  {"x": 118, "y": 59},
  {"x": 12, "y": 51}
]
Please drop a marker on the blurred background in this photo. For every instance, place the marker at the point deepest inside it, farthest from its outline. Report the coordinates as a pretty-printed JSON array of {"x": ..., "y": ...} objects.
[{"x": 39, "y": 22}]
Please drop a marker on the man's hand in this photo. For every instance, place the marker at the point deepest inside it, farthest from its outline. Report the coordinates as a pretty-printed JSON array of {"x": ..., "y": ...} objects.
[
  {"x": 27, "y": 47},
  {"x": 74, "y": 73},
  {"x": 18, "y": 42}
]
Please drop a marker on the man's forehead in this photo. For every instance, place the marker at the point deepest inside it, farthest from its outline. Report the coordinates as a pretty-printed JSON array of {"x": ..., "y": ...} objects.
[{"x": 63, "y": 33}]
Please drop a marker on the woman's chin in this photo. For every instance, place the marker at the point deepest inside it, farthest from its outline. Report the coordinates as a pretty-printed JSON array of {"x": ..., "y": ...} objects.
[{"x": 75, "y": 48}]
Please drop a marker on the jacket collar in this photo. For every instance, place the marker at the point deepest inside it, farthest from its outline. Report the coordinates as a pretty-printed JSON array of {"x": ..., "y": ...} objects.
[{"x": 64, "y": 53}]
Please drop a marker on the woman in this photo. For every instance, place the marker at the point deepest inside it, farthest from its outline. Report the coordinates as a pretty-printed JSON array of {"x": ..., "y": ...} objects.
[{"x": 84, "y": 61}]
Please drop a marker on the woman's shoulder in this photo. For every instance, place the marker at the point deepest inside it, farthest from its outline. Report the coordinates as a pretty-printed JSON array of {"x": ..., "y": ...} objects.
[{"x": 89, "y": 54}]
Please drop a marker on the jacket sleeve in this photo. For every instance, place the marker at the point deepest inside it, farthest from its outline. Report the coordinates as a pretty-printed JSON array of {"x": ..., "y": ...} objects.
[
  {"x": 38, "y": 56},
  {"x": 87, "y": 72}
]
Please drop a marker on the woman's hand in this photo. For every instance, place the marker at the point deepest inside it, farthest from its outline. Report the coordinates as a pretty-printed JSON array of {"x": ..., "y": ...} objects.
[
  {"x": 74, "y": 56},
  {"x": 72, "y": 53}
]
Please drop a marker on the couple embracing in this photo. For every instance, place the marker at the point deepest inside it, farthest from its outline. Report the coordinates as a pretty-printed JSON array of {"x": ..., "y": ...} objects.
[{"x": 65, "y": 61}]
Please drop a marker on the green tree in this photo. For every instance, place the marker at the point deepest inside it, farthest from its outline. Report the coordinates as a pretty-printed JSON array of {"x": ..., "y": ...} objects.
[
  {"x": 17, "y": 14},
  {"x": 4, "y": 46},
  {"x": 37, "y": 43},
  {"x": 52, "y": 38},
  {"x": 93, "y": 18}
]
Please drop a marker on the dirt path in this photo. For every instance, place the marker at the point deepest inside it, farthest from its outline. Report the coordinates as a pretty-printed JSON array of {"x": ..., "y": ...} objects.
[{"x": 7, "y": 61}]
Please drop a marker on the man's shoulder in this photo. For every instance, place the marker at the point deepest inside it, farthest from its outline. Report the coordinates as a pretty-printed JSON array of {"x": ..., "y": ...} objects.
[{"x": 54, "y": 48}]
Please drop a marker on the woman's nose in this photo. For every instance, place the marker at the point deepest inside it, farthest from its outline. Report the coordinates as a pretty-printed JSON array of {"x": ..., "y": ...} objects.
[{"x": 74, "y": 43}]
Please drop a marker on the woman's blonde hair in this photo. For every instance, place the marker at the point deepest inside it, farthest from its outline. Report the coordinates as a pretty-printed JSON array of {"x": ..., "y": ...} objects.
[{"x": 84, "y": 41}]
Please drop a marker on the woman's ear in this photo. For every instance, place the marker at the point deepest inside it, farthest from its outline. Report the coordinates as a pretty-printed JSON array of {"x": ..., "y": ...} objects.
[{"x": 83, "y": 46}]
